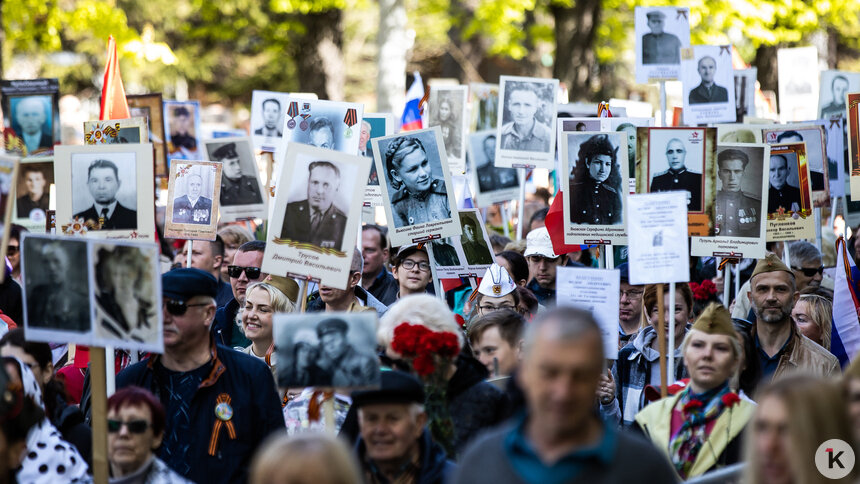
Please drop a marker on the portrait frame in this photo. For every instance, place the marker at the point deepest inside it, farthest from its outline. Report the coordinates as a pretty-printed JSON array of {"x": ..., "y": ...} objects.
[
  {"x": 798, "y": 83},
  {"x": 662, "y": 66},
  {"x": 181, "y": 148},
  {"x": 47, "y": 91},
  {"x": 177, "y": 224},
  {"x": 301, "y": 113},
  {"x": 250, "y": 177},
  {"x": 107, "y": 323},
  {"x": 329, "y": 265},
  {"x": 508, "y": 178},
  {"x": 291, "y": 329},
  {"x": 33, "y": 222},
  {"x": 575, "y": 177},
  {"x": 455, "y": 143},
  {"x": 755, "y": 183},
  {"x": 790, "y": 225},
  {"x": 443, "y": 266},
  {"x": 386, "y": 123},
  {"x": 484, "y": 102},
  {"x": 816, "y": 155},
  {"x": 262, "y": 141},
  {"x": 702, "y": 106},
  {"x": 830, "y": 103},
  {"x": 151, "y": 107},
  {"x": 68, "y": 161},
  {"x": 78, "y": 331},
  {"x": 416, "y": 231},
  {"x": 114, "y": 131},
  {"x": 541, "y": 153},
  {"x": 701, "y": 142}
]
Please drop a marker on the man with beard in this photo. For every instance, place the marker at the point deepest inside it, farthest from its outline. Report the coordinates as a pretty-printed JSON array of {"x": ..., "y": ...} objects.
[{"x": 780, "y": 347}]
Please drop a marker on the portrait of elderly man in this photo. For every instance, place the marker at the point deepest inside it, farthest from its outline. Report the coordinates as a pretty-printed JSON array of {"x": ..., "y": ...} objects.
[
  {"x": 816, "y": 174},
  {"x": 738, "y": 213},
  {"x": 321, "y": 134},
  {"x": 316, "y": 220},
  {"x": 677, "y": 177},
  {"x": 60, "y": 300},
  {"x": 272, "y": 121},
  {"x": 659, "y": 47},
  {"x": 103, "y": 183},
  {"x": 707, "y": 91},
  {"x": 193, "y": 208},
  {"x": 780, "y": 193},
  {"x": 236, "y": 187},
  {"x": 419, "y": 195},
  {"x": 31, "y": 116},
  {"x": 364, "y": 147},
  {"x": 37, "y": 196},
  {"x": 595, "y": 187},
  {"x": 524, "y": 132},
  {"x": 348, "y": 366}
]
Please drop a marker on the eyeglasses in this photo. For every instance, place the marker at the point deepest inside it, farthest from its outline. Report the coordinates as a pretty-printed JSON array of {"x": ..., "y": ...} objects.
[
  {"x": 489, "y": 309},
  {"x": 11, "y": 249},
  {"x": 632, "y": 293},
  {"x": 133, "y": 426},
  {"x": 809, "y": 271},
  {"x": 178, "y": 308},
  {"x": 409, "y": 264},
  {"x": 236, "y": 272}
]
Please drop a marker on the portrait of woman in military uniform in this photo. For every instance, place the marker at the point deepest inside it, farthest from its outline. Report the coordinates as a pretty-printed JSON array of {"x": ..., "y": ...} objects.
[
  {"x": 416, "y": 180},
  {"x": 595, "y": 181}
]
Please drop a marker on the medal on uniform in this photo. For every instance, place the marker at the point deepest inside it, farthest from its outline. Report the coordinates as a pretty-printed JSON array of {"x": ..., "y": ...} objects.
[
  {"x": 306, "y": 113},
  {"x": 292, "y": 112},
  {"x": 350, "y": 120},
  {"x": 224, "y": 411}
]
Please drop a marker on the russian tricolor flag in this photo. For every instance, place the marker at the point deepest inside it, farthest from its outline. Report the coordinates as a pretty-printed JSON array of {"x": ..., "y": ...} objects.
[
  {"x": 845, "y": 335},
  {"x": 411, "y": 118}
]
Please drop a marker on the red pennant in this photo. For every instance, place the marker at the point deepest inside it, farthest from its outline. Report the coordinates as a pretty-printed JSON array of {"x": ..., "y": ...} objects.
[
  {"x": 114, "y": 104},
  {"x": 555, "y": 226}
]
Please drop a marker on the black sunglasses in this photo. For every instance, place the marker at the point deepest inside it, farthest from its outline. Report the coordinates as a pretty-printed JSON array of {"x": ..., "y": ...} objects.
[
  {"x": 236, "y": 271},
  {"x": 809, "y": 272},
  {"x": 133, "y": 426},
  {"x": 178, "y": 308}
]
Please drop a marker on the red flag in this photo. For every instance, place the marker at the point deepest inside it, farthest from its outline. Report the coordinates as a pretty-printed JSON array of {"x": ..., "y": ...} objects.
[
  {"x": 114, "y": 104},
  {"x": 555, "y": 226}
]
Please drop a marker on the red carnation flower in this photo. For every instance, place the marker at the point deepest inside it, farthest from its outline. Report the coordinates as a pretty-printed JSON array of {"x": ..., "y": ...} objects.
[
  {"x": 423, "y": 365},
  {"x": 731, "y": 398}
]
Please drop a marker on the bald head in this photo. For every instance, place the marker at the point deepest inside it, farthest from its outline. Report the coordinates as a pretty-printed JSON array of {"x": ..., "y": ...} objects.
[{"x": 563, "y": 325}]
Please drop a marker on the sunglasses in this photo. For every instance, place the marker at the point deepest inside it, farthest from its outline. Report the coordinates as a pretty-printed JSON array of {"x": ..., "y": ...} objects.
[
  {"x": 236, "y": 271},
  {"x": 809, "y": 272},
  {"x": 178, "y": 308},
  {"x": 133, "y": 426}
]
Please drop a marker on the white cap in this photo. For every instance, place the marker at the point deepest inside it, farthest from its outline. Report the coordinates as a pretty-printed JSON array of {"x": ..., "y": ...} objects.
[
  {"x": 539, "y": 243},
  {"x": 496, "y": 282}
]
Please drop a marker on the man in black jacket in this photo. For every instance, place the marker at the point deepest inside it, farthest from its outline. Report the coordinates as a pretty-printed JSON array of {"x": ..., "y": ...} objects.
[{"x": 103, "y": 182}]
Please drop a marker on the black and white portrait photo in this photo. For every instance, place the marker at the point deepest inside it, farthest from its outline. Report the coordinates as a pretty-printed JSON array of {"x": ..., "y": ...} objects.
[
  {"x": 813, "y": 136},
  {"x": 485, "y": 105},
  {"x": 320, "y": 193},
  {"x": 834, "y": 86},
  {"x": 527, "y": 116},
  {"x": 324, "y": 124},
  {"x": 739, "y": 211},
  {"x": 326, "y": 350},
  {"x": 784, "y": 184},
  {"x": 182, "y": 125},
  {"x": 32, "y": 122},
  {"x": 676, "y": 162},
  {"x": 708, "y": 79},
  {"x": 596, "y": 185},
  {"x": 490, "y": 177},
  {"x": 707, "y": 91},
  {"x": 55, "y": 286},
  {"x": 445, "y": 252},
  {"x": 34, "y": 190},
  {"x": 447, "y": 106},
  {"x": 475, "y": 247},
  {"x": 273, "y": 121},
  {"x": 661, "y": 33},
  {"x": 126, "y": 295},
  {"x": 105, "y": 189},
  {"x": 193, "y": 194},
  {"x": 415, "y": 177},
  {"x": 240, "y": 180}
]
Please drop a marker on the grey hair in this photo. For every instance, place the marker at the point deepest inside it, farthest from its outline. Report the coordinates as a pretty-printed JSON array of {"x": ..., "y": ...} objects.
[
  {"x": 801, "y": 252},
  {"x": 357, "y": 264},
  {"x": 568, "y": 324}
]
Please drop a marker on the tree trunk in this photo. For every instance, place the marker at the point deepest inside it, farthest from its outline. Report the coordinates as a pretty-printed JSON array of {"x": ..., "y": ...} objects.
[
  {"x": 319, "y": 55},
  {"x": 393, "y": 44},
  {"x": 575, "y": 31},
  {"x": 765, "y": 61},
  {"x": 464, "y": 56}
]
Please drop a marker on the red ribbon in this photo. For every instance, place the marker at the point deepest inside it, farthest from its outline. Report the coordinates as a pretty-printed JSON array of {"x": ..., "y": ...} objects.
[{"x": 315, "y": 405}]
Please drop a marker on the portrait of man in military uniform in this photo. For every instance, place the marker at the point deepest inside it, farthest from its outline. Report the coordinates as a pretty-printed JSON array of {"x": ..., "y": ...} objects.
[
  {"x": 474, "y": 246},
  {"x": 36, "y": 179},
  {"x": 780, "y": 193},
  {"x": 678, "y": 177},
  {"x": 708, "y": 91},
  {"x": 658, "y": 46},
  {"x": 813, "y": 152},
  {"x": 193, "y": 207},
  {"x": 525, "y": 131},
  {"x": 316, "y": 220},
  {"x": 491, "y": 177},
  {"x": 738, "y": 213},
  {"x": 444, "y": 253},
  {"x": 595, "y": 185},
  {"x": 419, "y": 192},
  {"x": 348, "y": 366},
  {"x": 238, "y": 186},
  {"x": 836, "y": 107},
  {"x": 56, "y": 284}
]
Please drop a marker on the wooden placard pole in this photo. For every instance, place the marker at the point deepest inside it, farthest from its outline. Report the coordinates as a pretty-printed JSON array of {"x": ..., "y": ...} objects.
[
  {"x": 817, "y": 216},
  {"x": 98, "y": 378},
  {"x": 303, "y": 296},
  {"x": 661, "y": 339},
  {"x": 188, "y": 256},
  {"x": 727, "y": 284},
  {"x": 670, "y": 354}
]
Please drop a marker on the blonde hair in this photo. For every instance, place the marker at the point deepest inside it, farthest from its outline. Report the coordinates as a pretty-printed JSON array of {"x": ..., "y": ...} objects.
[
  {"x": 235, "y": 235},
  {"x": 279, "y": 302},
  {"x": 816, "y": 412},
  {"x": 304, "y": 458},
  {"x": 423, "y": 309},
  {"x": 820, "y": 311}
]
